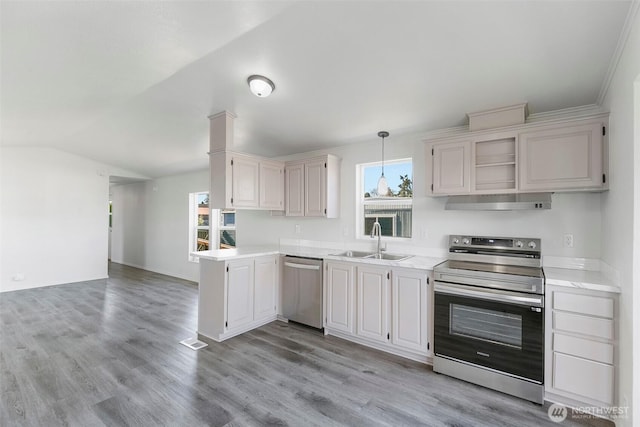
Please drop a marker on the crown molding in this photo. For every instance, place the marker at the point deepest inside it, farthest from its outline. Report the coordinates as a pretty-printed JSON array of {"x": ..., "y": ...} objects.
[{"x": 617, "y": 54}]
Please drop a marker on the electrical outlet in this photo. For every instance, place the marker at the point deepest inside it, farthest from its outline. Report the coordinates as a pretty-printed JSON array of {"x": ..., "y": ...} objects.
[
  {"x": 297, "y": 228},
  {"x": 567, "y": 241},
  {"x": 345, "y": 231},
  {"x": 18, "y": 277}
]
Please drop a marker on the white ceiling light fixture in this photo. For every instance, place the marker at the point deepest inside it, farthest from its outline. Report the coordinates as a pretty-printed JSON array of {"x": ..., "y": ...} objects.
[
  {"x": 383, "y": 187},
  {"x": 260, "y": 85}
]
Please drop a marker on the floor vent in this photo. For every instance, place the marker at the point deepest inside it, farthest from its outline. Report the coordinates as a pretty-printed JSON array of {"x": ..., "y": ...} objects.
[{"x": 193, "y": 343}]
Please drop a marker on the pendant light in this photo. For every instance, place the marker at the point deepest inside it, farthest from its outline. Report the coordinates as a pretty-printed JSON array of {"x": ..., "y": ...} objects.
[{"x": 383, "y": 187}]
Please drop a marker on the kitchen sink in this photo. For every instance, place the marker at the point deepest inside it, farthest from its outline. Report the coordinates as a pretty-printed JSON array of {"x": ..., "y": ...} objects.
[
  {"x": 354, "y": 254},
  {"x": 373, "y": 255},
  {"x": 390, "y": 257}
]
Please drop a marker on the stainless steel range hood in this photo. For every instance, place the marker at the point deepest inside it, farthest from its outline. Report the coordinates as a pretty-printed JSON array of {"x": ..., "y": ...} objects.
[{"x": 499, "y": 202}]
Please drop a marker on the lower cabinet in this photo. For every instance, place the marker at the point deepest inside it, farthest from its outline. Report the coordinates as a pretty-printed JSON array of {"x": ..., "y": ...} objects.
[
  {"x": 236, "y": 296},
  {"x": 265, "y": 287},
  {"x": 339, "y": 297},
  {"x": 580, "y": 353},
  {"x": 409, "y": 296},
  {"x": 372, "y": 295},
  {"x": 240, "y": 286},
  {"x": 390, "y": 307}
]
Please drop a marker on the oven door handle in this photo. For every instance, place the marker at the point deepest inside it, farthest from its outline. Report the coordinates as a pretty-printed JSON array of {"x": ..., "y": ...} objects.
[{"x": 490, "y": 295}]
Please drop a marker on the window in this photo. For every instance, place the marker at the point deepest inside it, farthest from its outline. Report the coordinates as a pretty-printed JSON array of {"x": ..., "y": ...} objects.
[
  {"x": 199, "y": 221},
  {"x": 227, "y": 229},
  {"x": 205, "y": 222},
  {"x": 394, "y": 210}
]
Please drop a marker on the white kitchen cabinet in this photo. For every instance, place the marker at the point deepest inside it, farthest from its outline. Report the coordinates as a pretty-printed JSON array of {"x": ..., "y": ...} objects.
[
  {"x": 240, "y": 181},
  {"x": 339, "y": 296},
  {"x": 580, "y": 347},
  {"x": 239, "y": 293},
  {"x": 271, "y": 185},
  {"x": 451, "y": 167},
  {"x": 392, "y": 309},
  {"x": 562, "y": 158},
  {"x": 294, "y": 189},
  {"x": 236, "y": 296},
  {"x": 555, "y": 154},
  {"x": 312, "y": 187},
  {"x": 265, "y": 287},
  {"x": 409, "y": 309},
  {"x": 245, "y": 179},
  {"x": 373, "y": 302},
  {"x": 315, "y": 186}
]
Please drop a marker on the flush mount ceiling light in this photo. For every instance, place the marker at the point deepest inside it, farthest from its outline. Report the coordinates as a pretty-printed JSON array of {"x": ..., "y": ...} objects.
[
  {"x": 383, "y": 187},
  {"x": 260, "y": 85}
]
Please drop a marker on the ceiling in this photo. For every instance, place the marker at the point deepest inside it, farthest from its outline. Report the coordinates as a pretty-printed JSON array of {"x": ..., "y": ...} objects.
[{"x": 131, "y": 83}]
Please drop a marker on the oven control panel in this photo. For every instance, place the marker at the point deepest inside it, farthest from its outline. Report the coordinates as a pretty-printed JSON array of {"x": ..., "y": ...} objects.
[{"x": 507, "y": 244}]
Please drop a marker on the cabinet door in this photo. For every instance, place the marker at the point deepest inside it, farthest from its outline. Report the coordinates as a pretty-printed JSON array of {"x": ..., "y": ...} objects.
[
  {"x": 239, "y": 293},
  {"x": 315, "y": 188},
  {"x": 340, "y": 302},
  {"x": 265, "y": 287},
  {"x": 294, "y": 190},
  {"x": 409, "y": 321},
  {"x": 561, "y": 159},
  {"x": 452, "y": 168},
  {"x": 271, "y": 186},
  {"x": 372, "y": 297},
  {"x": 244, "y": 182}
]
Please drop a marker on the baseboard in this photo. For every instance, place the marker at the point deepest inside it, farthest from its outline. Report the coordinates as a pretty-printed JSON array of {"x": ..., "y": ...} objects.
[
  {"x": 422, "y": 358},
  {"x": 240, "y": 330}
]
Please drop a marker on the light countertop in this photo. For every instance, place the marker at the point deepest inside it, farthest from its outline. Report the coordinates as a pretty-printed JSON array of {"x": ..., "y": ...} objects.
[
  {"x": 581, "y": 279},
  {"x": 415, "y": 262},
  {"x": 237, "y": 253},
  {"x": 573, "y": 278}
]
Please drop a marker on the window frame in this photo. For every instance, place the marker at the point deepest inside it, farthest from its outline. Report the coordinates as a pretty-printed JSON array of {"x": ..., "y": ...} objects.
[
  {"x": 361, "y": 200},
  {"x": 193, "y": 223}
]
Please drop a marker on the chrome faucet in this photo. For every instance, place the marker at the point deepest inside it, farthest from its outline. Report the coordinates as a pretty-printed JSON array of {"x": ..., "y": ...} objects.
[{"x": 377, "y": 231}]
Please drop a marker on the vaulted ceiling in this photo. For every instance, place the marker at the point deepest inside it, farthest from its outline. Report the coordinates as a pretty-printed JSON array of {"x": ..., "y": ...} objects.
[{"x": 131, "y": 83}]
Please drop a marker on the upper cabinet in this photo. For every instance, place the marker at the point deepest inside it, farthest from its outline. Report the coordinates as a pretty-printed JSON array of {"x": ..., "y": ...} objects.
[
  {"x": 451, "y": 167},
  {"x": 312, "y": 187},
  {"x": 240, "y": 181},
  {"x": 309, "y": 187},
  {"x": 294, "y": 189},
  {"x": 271, "y": 185},
  {"x": 569, "y": 157},
  {"x": 555, "y": 155},
  {"x": 245, "y": 173}
]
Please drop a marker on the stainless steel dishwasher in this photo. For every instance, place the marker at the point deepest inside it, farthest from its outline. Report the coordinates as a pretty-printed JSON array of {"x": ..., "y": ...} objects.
[{"x": 302, "y": 290}]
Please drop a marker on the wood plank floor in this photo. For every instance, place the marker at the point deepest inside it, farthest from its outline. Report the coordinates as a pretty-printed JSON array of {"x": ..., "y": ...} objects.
[{"x": 107, "y": 352}]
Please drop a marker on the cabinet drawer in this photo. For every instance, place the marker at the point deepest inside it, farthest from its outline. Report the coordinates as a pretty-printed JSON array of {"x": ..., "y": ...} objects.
[
  {"x": 583, "y": 304},
  {"x": 592, "y": 350},
  {"x": 594, "y": 326},
  {"x": 583, "y": 377}
]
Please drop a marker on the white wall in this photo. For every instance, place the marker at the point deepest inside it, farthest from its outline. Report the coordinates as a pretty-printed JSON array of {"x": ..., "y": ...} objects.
[
  {"x": 151, "y": 224},
  {"x": 54, "y": 217},
  {"x": 576, "y": 213},
  {"x": 618, "y": 218}
]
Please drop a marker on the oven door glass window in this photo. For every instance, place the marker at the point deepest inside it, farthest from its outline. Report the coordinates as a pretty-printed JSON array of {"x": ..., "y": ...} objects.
[
  {"x": 492, "y": 326},
  {"x": 502, "y": 336}
]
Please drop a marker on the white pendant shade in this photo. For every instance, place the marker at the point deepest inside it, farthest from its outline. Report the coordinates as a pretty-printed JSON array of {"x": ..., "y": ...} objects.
[
  {"x": 260, "y": 86},
  {"x": 383, "y": 187}
]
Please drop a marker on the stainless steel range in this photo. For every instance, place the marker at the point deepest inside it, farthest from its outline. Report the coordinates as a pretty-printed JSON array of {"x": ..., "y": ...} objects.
[{"x": 489, "y": 314}]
